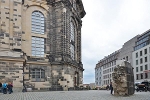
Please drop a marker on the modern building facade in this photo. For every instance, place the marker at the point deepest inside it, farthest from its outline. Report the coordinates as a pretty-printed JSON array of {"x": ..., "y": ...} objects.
[
  {"x": 103, "y": 72},
  {"x": 40, "y": 43},
  {"x": 127, "y": 49},
  {"x": 141, "y": 57},
  {"x": 104, "y": 69}
]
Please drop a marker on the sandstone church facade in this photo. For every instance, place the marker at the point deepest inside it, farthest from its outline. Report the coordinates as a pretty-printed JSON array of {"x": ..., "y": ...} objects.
[{"x": 40, "y": 43}]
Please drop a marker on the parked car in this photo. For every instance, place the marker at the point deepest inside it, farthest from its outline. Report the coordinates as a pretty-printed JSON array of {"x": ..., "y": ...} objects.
[
  {"x": 136, "y": 85},
  {"x": 143, "y": 86}
]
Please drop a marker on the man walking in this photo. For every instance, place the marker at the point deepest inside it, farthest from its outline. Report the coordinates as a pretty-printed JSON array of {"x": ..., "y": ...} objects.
[
  {"x": 111, "y": 87},
  {"x": 1, "y": 89}
]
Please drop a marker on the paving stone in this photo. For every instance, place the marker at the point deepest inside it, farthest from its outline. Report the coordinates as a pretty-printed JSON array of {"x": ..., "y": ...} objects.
[{"x": 72, "y": 95}]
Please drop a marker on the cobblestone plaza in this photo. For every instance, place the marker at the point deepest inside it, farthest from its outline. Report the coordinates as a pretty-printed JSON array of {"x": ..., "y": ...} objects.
[{"x": 73, "y": 95}]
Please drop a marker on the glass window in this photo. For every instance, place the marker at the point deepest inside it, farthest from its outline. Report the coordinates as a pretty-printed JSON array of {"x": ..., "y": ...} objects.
[
  {"x": 72, "y": 39},
  {"x": 141, "y": 68},
  {"x": 37, "y": 46},
  {"x": 141, "y": 75},
  {"x": 38, "y": 75},
  {"x": 141, "y": 61},
  {"x": 140, "y": 53},
  {"x": 137, "y": 76},
  {"x": 146, "y": 75},
  {"x": 146, "y": 68},
  {"x": 145, "y": 59},
  {"x": 136, "y": 54},
  {"x": 72, "y": 31},
  {"x": 145, "y": 51},
  {"x": 137, "y": 69},
  {"x": 37, "y": 22},
  {"x": 136, "y": 62}
]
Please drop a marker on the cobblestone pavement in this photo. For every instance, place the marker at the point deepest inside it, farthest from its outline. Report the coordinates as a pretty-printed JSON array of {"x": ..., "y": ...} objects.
[{"x": 73, "y": 95}]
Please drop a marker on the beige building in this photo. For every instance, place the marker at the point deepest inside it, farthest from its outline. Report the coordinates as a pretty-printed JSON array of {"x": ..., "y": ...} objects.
[{"x": 40, "y": 43}]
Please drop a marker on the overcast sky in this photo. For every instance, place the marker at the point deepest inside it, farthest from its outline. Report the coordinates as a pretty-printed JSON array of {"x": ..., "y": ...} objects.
[{"x": 108, "y": 24}]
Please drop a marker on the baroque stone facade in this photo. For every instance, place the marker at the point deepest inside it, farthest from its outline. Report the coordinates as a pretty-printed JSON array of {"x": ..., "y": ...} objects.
[{"x": 40, "y": 43}]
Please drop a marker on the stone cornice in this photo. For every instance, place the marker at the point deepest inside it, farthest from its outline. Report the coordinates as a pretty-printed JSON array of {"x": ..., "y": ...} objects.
[
  {"x": 38, "y": 62},
  {"x": 17, "y": 59}
]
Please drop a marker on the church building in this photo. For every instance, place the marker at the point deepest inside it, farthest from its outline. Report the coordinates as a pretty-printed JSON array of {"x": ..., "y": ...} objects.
[{"x": 40, "y": 44}]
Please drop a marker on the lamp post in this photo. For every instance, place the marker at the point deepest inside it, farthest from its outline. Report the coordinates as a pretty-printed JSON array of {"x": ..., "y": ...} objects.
[{"x": 24, "y": 64}]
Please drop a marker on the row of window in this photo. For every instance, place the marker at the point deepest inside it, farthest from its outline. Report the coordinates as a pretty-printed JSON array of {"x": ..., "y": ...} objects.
[
  {"x": 108, "y": 59},
  {"x": 142, "y": 40},
  {"x": 142, "y": 76},
  {"x": 98, "y": 83},
  {"x": 141, "y": 53},
  {"x": 107, "y": 76},
  {"x": 141, "y": 60},
  {"x": 141, "y": 68},
  {"x": 141, "y": 45},
  {"x": 99, "y": 73},
  {"x": 109, "y": 64},
  {"x": 108, "y": 70},
  {"x": 106, "y": 82},
  {"x": 99, "y": 78}
]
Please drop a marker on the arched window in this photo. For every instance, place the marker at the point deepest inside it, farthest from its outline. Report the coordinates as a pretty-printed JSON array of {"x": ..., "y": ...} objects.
[
  {"x": 37, "y": 22},
  {"x": 72, "y": 40}
]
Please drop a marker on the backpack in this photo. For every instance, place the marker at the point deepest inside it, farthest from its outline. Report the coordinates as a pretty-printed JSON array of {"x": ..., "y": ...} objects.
[{"x": 4, "y": 85}]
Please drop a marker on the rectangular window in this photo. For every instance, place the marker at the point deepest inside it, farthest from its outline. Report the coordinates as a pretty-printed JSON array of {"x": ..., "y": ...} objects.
[
  {"x": 137, "y": 69},
  {"x": 38, "y": 46},
  {"x": 140, "y": 53},
  {"x": 145, "y": 51},
  {"x": 145, "y": 59},
  {"x": 141, "y": 61},
  {"x": 38, "y": 75},
  {"x": 136, "y": 54},
  {"x": 137, "y": 76},
  {"x": 136, "y": 62},
  {"x": 141, "y": 68},
  {"x": 141, "y": 75},
  {"x": 146, "y": 76},
  {"x": 146, "y": 67}
]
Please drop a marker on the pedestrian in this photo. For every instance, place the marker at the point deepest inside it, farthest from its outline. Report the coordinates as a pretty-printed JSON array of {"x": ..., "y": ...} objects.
[
  {"x": 111, "y": 88},
  {"x": 9, "y": 88},
  {"x": 4, "y": 88},
  {"x": 107, "y": 87},
  {"x": 12, "y": 87},
  {"x": 0, "y": 87}
]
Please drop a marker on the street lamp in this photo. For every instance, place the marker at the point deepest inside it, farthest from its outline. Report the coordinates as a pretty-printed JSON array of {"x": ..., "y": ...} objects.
[{"x": 24, "y": 64}]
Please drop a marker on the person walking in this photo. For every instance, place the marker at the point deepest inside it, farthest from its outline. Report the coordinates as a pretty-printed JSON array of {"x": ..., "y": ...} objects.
[
  {"x": 107, "y": 87},
  {"x": 4, "y": 88},
  {"x": 1, "y": 89},
  {"x": 111, "y": 88},
  {"x": 9, "y": 88}
]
